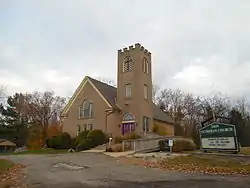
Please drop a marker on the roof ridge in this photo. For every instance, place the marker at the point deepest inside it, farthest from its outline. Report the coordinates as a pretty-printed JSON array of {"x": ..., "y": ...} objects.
[{"x": 100, "y": 82}]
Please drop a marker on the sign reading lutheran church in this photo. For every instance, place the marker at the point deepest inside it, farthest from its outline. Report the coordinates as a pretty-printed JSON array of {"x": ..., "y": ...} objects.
[{"x": 219, "y": 136}]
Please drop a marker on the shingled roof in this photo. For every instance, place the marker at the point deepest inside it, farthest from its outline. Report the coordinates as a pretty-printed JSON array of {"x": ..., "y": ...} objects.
[{"x": 109, "y": 93}]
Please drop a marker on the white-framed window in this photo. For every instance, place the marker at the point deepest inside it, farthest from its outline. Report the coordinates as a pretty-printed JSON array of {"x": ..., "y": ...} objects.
[
  {"x": 86, "y": 110},
  {"x": 145, "y": 124},
  {"x": 128, "y": 64},
  {"x": 145, "y": 65},
  {"x": 90, "y": 127},
  {"x": 78, "y": 131},
  {"x": 128, "y": 90},
  {"x": 84, "y": 127},
  {"x": 145, "y": 90}
]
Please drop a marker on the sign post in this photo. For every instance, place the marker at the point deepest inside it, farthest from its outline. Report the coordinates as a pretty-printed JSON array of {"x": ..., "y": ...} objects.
[
  {"x": 219, "y": 137},
  {"x": 171, "y": 143}
]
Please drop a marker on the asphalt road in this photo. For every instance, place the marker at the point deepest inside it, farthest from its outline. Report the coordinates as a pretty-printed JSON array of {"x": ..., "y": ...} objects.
[{"x": 87, "y": 170}]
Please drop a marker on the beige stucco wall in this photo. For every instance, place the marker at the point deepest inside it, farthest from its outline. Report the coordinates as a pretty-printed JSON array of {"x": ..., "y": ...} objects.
[
  {"x": 99, "y": 106},
  {"x": 114, "y": 120},
  {"x": 164, "y": 128}
]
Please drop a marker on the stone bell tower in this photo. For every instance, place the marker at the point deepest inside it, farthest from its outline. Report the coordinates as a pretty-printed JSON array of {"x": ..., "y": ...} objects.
[{"x": 134, "y": 87}]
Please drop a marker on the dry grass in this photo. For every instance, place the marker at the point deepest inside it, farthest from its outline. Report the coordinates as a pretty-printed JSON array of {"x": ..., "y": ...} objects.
[
  {"x": 245, "y": 150},
  {"x": 207, "y": 164},
  {"x": 5, "y": 165}
]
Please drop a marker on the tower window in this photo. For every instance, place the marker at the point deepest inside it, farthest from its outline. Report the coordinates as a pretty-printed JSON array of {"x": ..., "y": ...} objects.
[
  {"x": 145, "y": 92},
  {"x": 145, "y": 65},
  {"x": 128, "y": 90},
  {"x": 128, "y": 64}
]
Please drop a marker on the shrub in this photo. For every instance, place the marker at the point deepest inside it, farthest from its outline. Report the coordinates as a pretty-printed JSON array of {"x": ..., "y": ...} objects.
[
  {"x": 183, "y": 145},
  {"x": 84, "y": 145},
  {"x": 97, "y": 137},
  {"x": 119, "y": 139},
  {"x": 53, "y": 142},
  {"x": 180, "y": 145},
  {"x": 82, "y": 136},
  {"x": 62, "y": 141},
  {"x": 131, "y": 136},
  {"x": 117, "y": 148},
  {"x": 163, "y": 144},
  {"x": 65, "y": 141}
]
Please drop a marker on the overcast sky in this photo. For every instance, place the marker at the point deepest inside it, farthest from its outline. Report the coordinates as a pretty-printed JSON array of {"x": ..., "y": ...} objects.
[{"x": 199, "y": 46}]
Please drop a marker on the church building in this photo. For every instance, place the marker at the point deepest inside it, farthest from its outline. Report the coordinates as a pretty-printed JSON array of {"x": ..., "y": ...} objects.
[{"x": 122, "y": 110}]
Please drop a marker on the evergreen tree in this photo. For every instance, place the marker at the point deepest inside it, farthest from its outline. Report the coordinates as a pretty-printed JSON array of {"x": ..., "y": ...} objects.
[{"x": 14, "y": 123}]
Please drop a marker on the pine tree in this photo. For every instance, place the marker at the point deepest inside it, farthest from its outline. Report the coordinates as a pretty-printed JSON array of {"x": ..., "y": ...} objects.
[{"x": 13, "y": 124}]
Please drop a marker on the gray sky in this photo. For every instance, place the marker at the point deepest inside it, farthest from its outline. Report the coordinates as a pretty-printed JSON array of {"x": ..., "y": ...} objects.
[{"x": 198, "y": 46}]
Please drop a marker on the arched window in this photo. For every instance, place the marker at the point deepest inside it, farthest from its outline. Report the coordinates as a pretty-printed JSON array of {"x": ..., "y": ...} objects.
[
  {"x": 128, "y": 117},
  {"x": 86, "y": 109},
  {"x": 145, "y": 65},
  {"x": 128, "y": 64}
]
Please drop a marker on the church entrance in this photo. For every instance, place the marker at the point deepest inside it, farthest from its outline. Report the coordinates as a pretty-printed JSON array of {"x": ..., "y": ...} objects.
[{"x": 128, "y": 123}]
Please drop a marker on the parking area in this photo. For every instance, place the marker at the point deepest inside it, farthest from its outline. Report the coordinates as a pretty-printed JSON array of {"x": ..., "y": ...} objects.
[{"x": 98, "y": 170}]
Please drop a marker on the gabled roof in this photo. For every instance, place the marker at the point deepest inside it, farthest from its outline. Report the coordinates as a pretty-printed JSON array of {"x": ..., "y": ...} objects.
[
  {"x": 5, "y": 142},
  {"x": 108, "y": 93}
]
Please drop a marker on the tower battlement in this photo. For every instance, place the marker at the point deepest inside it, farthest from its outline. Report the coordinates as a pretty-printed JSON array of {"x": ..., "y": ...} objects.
[{"x": 137, "y": 46}]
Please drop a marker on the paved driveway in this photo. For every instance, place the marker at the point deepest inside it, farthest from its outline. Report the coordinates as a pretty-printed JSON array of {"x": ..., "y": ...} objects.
[{"x": 88, "y": 170}]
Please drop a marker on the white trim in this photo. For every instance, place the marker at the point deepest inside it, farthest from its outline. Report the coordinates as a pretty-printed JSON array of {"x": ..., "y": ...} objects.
[
  {"x": 132, "y": 121},
  {"x": 78, "y": 91}
]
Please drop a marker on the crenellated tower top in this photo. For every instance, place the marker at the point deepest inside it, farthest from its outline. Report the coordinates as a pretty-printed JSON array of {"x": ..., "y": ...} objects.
[{"x": 137, "y": 46}]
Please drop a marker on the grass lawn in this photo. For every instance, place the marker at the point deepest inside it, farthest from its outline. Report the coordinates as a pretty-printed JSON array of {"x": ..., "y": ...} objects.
[
  {"x": 245, "y": 150},
  {"x": 5, "y": 165},
  {"x": 207, "y": 164},
  {"x": 39, "y": 152}
]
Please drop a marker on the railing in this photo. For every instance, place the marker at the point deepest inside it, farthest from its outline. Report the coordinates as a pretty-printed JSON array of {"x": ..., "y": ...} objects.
[{"x": 143, "y": 144}]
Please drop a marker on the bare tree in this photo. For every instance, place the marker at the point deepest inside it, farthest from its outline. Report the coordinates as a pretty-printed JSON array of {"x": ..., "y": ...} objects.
[
  {"x": 2, "y": 92},
  {"x": 155, "y": 93},
  {"x": 44, "y": 108},
  {"x": 242, "y": 106}
]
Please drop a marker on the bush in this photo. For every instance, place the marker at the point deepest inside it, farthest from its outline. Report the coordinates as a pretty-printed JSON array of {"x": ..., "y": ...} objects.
[
  {"x": 117, "y": 148},
  {"x": 97, "y": 137},
  {"x": 53, "y": 142},
  {"x": 163, "y": 144},
  {"x": 82, "y": 136},
  {"x": 65, "y": 141},
  {"x": 84, "y": 145},
  {"x": 131, "y": 136},
  {"x": 118, "y": 139},
  {"x": 87, "y": 140},
  {"x": 180, "y": 145},
  {"x": 62, "y": 141}
]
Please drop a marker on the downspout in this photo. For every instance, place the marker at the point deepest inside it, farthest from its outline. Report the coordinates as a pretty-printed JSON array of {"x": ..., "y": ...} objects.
[{"x": 107, "y": 112}]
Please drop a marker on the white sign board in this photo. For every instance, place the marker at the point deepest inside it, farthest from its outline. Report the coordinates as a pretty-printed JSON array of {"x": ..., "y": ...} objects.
[
  {"x": 219, "y": 142},
  {"x": 170, "y": 143}
]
